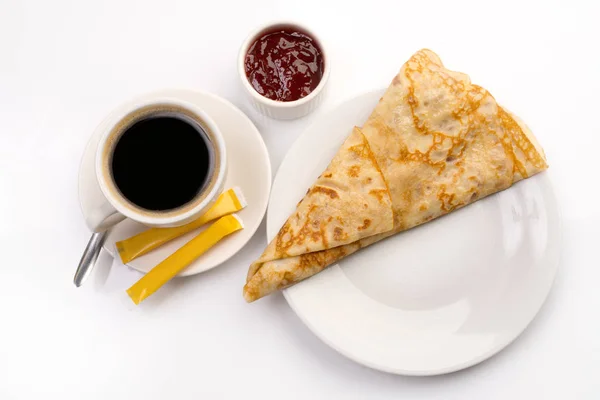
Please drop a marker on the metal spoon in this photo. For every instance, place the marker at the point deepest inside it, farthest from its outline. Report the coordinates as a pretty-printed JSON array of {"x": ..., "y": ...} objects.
[{"x": 89, "y": 257}]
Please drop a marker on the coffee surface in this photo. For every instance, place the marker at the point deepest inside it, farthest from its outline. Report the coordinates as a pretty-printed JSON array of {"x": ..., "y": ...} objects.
[{"x": 161, "y": 163}]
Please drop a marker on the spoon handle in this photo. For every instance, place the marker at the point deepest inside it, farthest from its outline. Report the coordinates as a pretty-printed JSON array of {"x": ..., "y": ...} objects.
[{"x": 89, "y": 257}]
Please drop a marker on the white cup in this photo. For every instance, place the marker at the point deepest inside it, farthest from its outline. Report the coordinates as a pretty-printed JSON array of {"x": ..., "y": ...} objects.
[{"x": 117, "y": 207}]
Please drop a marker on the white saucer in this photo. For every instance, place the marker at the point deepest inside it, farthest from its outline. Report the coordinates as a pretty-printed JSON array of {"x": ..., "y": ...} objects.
[
  {"x": 437, "y": 298},
  {"x": 249, "y": 168}
]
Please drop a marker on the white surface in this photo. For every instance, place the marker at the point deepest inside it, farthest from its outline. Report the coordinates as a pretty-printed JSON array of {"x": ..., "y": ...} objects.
[
  {"x": 434, "y": 299},
  {"x": 249, "y": 169},
  {"x": 65, "y": 64}
]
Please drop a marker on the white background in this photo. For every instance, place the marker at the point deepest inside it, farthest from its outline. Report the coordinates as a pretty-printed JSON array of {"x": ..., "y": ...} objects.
[{"x": 65, "y": 64}]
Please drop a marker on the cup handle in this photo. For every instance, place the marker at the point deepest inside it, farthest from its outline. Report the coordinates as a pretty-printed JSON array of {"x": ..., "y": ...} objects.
[{"x": 104, "y": 217}]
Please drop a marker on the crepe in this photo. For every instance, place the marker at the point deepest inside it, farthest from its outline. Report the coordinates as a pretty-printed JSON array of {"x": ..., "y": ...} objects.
[{"x": 435, "y": 142}]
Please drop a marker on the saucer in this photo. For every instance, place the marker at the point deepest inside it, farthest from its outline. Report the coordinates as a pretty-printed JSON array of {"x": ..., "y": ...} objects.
[{"x": 249, "y": 168}]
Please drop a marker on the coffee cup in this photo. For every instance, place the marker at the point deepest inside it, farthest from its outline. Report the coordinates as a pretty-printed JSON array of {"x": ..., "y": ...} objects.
[{"x": 160, "y": 161}]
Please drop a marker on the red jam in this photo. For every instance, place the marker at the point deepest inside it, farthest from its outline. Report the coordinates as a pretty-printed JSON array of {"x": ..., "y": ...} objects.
[{"x": 284, "y": 65}]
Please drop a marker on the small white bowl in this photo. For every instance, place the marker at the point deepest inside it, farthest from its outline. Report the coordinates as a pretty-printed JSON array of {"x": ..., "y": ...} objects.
[{"x": 283, "y": 109}]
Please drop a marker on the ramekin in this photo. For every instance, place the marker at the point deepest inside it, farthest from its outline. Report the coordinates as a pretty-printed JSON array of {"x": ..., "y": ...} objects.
[{"x": 284, "y": 110}]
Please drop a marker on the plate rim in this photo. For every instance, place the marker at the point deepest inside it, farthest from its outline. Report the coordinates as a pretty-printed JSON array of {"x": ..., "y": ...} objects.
[{"x": 549, "y": 187}]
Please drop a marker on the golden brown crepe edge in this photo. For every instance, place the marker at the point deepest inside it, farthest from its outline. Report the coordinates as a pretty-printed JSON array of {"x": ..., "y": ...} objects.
[{"x": 384, "y": 197}]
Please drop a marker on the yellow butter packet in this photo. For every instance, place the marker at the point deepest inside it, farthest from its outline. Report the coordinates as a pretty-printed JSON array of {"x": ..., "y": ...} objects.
[
  {"x": 183, "y": 257},
  {"x": 129, "y": 249}
]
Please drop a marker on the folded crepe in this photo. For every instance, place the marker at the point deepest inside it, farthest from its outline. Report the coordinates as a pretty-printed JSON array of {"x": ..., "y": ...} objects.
[{"x": 434, "y": 143}]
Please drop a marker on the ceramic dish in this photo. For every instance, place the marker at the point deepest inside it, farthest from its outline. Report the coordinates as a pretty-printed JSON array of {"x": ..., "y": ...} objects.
[
  {"x": 434, "y": 299},
  {"x": 279, "y": 109}
]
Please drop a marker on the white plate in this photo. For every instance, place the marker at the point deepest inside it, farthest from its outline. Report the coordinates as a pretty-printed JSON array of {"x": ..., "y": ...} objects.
[
  {"x": 249, "y": 168},
  {"x": 435, "y": 299}
]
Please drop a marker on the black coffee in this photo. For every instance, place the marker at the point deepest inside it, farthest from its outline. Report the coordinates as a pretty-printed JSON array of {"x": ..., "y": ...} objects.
[{"x": 161, "y": 163}]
